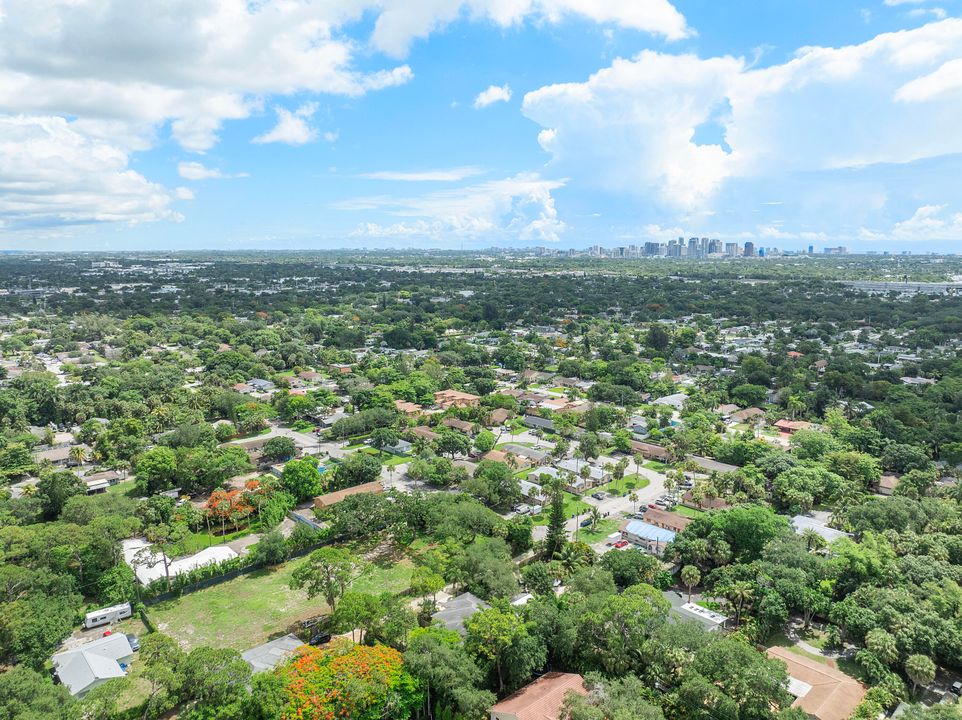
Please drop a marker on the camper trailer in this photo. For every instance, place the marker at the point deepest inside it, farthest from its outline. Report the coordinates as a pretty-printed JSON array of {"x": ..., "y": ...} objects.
[{"x": 107, "y": 615}]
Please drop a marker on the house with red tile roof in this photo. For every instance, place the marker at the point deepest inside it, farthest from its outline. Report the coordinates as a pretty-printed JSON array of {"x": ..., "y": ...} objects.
[{"x": 540, "y": 700}]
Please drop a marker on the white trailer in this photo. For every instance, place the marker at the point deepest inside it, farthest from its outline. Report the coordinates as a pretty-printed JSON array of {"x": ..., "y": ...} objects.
[{"x": 107, "y": 615}]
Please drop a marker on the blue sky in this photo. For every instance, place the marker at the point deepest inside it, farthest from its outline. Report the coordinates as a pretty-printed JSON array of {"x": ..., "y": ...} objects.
[{"x": 471, "y": 123}]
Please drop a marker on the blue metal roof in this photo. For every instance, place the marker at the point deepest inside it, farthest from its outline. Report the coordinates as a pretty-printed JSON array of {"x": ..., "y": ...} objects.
[{"x": 647, "y": 531}]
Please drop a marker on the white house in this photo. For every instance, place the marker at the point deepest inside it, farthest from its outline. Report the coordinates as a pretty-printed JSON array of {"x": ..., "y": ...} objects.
[{"x": 84, "y": 668}]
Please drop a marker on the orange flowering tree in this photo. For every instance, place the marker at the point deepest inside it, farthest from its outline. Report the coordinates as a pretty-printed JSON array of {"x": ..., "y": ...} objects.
[
  {"x": 228, "y": 506},
  {"x": 344, "y": 680}
]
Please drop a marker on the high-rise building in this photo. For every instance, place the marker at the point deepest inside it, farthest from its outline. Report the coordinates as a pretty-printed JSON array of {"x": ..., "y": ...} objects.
[
  {"x": 714, "y": 246},
  {"x": 731, "y": 249},
  {"x": 749, "y": 249}
]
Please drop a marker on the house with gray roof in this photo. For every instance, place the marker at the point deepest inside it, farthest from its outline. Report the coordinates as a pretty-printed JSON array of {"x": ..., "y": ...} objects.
[{"x": 82, "y": 669}]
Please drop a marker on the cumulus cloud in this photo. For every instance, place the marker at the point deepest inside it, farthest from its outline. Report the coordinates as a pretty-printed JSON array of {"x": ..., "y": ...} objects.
[
  {"x": 125, "y": 74},
  {"x": 494, "y": 93},
  {"x": 633, "y": 127},
  {"x": 519, "y": 207},
  {"x": 929, "y": 222},
  {"x": 436, "y": 175},
  {"x": 292, "y": 128},
  {"x": 197, "y": 171},
  {"x": 52, "y": 174}
]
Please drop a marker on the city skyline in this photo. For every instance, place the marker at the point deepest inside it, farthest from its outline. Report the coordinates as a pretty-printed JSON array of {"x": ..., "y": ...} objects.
[{"x": 473, "y": 123}]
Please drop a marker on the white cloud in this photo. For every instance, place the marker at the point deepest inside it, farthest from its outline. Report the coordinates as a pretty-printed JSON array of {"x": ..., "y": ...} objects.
[
  {"x": 402, "y": 21},
  {"x": 631, "y": 127},
  {"x": 896, "y": 3},
  {"x": 436, "y": 175},
  {"x": 292, "y": 127},
  {"x": 946, "y": 79},
  {"x": 519, "y": 207},
  {"x": 494, "y": 93},
  {"x": 126, "y": 74},
  {"x": 52, "y": 174},
  {"x": 331, "y": 136},
  {"x": 930, "y": 222},
  {"x": 936, "y": 12},
  {"x": 184, "y": 193},
  {"x": 197, "y": 171}
]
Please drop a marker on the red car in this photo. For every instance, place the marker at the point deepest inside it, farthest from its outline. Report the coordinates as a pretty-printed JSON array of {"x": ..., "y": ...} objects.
[
  {"x": 621, "y": 543},
  {"x": 653, "y": 506}
]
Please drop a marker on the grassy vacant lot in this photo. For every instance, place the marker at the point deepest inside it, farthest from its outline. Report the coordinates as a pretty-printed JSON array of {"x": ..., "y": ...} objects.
[
  {"x": 626, "y": 485},
  {"x": 574, "y": 505},
  {"x": 249, "y": 610},
  {"x": 687, "y": 511},
  {"x": 604, "y": 529}
]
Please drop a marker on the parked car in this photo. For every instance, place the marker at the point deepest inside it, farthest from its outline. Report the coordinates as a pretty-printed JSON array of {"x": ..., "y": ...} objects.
[
  {"x": 598, "y": 495},
  {"x": 586, "y": 522},
  {"x": 320, "y": 638},
  {"x": 621, "y": 544},
  {"x": 653, "y": 506},
  {"x": 134, "y": 642}
]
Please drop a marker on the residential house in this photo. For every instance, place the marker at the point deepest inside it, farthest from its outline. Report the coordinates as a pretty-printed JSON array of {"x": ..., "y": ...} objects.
[
  {"x": 455, "y": 398},
  {"x": 460, "y": 425},
  {"x": 408, "y": 409},
  {"x": 676, "y": 401},
  {"x": 520, "y": 463},
  {"x": 726, "y": 411},
  {"x": 650, "y": 451},
  {"x": 714, "y": 503},
  {"x": 651, "y": 537},
  {"x": 792, "y": 426},
  {"x": 541, "y": 699},
  {"x": 709, "y": 465},
  {"x": 666, "y": 519},
  {"x": 498, "y": 416},
  {"x": 85, "y": 667},
  {"x": 748, "y": 415},
  {"x": 690, "y": 612},
  {"x": 457, "y": 610},
  {"x": 533, "y": 454},
  {"x": 423, "y": 431},
  {"x": 58, "y": 455},
  {"x": 533, "y": 493},
  {"x": 333, "y": 498},
  {"x": 801, "y": 523},
  {"x": 887, "y": 484},
  {"x": 538, "y": 422},
  {"x": 820, "y": 690}
]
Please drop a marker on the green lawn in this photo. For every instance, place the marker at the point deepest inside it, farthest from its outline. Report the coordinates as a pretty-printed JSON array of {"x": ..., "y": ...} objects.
[
  {"x": 574, "y": 505},
  {"x": 124, "y": 487},
  {"x": 626, "y": 485},
  {"x": 655, "y": 465},
  {"x": 604, "y": 529},
  {"x": 249, "y": 610},
  {"x": 687, "y": 511},
  {"x": 387, "y": 458},
  {"x": 195, "y": 542}
]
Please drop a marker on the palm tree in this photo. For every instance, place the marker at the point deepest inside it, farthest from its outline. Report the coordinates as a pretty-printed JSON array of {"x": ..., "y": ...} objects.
[
  {"x": 690, "y": 576},
  {"x": 739, "y": 594},
  {"x": 813, "y": 541},
  {"x": 634, "y": 501},
  {"x": 77, "y": 454},
  {"x": 570, "y": 559},
  {"x": 595, "y": 518},
  {"x": 921, "y": 671}
]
